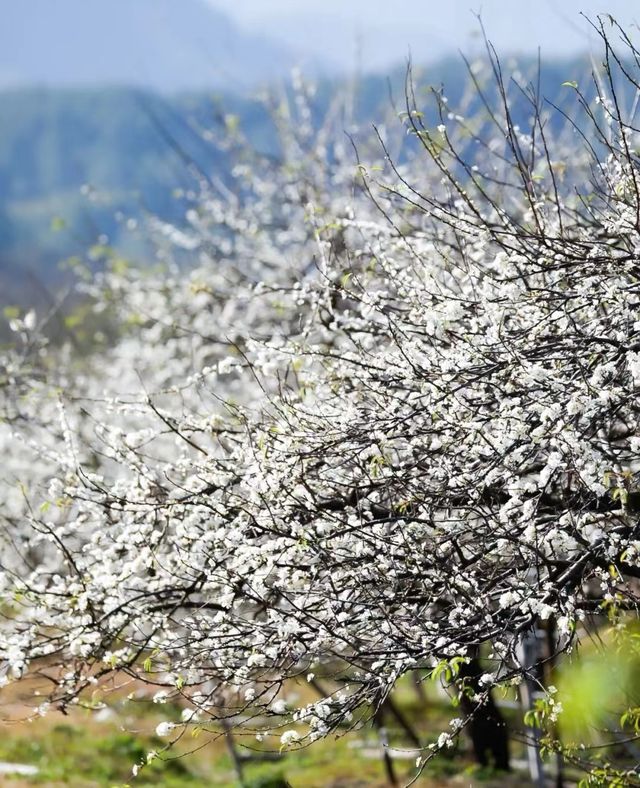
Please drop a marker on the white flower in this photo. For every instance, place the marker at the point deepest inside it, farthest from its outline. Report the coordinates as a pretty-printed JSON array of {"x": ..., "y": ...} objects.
[
  {"x": 289, "y": 737},
  {"x": 165, "y": 728},
  {"x": 445, "y": 740},
  {"x": 279, "y": 707},
  {"x": 225, "y": 365},
  {"x": 507, "y": 599},
  {"x": 30, "y": 320}
]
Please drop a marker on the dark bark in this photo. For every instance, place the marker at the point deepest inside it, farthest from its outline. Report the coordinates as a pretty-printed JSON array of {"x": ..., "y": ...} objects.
[
  {"x": 487, "y": 727},
  {"x": 402, "y": 722},
  {"x": 378, "y": 722}
]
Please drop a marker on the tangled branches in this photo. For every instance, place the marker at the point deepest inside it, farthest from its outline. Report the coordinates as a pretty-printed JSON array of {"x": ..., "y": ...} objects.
[{"x": 418, "y": 442}]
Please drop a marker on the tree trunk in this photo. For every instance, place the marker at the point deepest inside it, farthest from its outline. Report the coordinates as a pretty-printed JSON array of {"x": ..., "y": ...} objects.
[{"x": 487, "y": 729}]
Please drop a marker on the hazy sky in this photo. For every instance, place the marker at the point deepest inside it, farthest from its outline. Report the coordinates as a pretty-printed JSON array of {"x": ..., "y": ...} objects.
[{"x": 376, "y": 33}]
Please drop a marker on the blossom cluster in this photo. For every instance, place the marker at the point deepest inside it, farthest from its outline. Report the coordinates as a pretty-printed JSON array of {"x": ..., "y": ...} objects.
[{"x": 383, "y": 421}]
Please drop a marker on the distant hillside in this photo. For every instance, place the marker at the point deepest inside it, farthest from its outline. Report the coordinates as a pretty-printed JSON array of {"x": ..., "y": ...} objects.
[
  {"x": 162, "y": 44},
  {"x": 132, "y": 146}
]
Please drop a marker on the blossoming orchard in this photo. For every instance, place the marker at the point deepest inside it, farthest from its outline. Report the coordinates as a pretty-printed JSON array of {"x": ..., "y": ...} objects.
[{"x": 384, "y": 426}]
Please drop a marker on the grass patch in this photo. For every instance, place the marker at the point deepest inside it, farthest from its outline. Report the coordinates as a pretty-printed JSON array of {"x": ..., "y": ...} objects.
[
  {"x": 97, "y": 750},
  {"x": 73, "y": 756}
]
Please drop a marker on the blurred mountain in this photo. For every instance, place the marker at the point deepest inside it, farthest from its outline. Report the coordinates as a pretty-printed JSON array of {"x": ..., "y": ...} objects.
[
  {"x": 166, "y": 45},
  {"x": 73, "y": 160}
]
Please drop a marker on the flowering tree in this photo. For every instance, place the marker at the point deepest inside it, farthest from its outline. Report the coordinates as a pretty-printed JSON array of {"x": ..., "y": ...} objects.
[{"x": 417, "y": 441}]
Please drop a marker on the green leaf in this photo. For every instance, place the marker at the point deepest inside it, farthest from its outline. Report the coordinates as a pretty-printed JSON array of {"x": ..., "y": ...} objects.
[
  {"x": 232, "y": 123},
  {"x": 58, "y": 224},
  {"x": 570, "y": 84}
]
